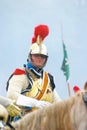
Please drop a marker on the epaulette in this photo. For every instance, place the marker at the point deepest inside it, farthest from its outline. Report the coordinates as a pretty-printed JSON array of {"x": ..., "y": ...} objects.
[
  {"x": 16, "y": 72},
  {"x": 19, "y": 72}
]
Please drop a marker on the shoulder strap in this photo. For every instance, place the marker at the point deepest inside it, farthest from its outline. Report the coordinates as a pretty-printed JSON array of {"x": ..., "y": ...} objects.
[{"x": 44, "y": 86}]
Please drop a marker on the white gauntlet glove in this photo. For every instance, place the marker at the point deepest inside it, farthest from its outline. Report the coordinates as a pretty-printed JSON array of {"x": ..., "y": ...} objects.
[
  {"x": 31, "y": 102},
  {"x": 41, "y": 104}
]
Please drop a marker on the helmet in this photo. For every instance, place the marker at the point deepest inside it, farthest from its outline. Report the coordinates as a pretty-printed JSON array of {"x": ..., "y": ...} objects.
[{"x": 38, "y": 47}]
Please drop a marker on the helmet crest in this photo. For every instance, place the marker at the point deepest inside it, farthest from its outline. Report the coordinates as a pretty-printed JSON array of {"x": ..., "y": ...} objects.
[{"x": 40, "y": 32}]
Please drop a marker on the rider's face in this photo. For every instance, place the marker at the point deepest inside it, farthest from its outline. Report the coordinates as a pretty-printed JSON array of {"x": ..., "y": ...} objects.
[{"x": 38, "y": 60}]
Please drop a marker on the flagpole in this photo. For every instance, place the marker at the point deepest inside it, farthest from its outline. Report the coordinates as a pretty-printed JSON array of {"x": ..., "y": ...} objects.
[{"x": 68, "y": 84}]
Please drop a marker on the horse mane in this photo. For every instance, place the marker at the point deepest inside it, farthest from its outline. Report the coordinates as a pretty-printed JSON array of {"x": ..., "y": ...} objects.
[{"x": 69, "y": 114}]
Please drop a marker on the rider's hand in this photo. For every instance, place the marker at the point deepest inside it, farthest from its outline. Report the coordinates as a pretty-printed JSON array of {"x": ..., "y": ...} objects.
[{"x": 13, "y": 110}]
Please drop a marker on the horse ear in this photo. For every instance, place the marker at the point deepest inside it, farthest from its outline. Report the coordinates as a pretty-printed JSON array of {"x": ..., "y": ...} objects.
[
  {"x": 85, "y": 86},
  {"x": 76, "y": 89}
]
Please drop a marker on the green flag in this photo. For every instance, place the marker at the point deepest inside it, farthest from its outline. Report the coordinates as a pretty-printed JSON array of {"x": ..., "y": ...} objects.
[{"x": 65, "y": 64}]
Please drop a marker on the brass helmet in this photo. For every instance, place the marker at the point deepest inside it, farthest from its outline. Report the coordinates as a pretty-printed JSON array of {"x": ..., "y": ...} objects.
[{"x": 38, "y": 47}]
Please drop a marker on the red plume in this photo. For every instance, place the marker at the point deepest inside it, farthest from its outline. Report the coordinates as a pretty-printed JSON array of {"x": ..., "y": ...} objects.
[
  {"x": 76, "y": 89},
  {"x": 40, "y": 30}
]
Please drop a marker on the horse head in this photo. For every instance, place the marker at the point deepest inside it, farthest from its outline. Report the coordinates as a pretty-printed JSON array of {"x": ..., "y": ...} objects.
[{"x": 85, "y": 94}]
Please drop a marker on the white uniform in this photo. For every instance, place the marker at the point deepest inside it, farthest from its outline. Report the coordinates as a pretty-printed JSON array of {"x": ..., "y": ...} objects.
[{"x": 40, "y": 90}]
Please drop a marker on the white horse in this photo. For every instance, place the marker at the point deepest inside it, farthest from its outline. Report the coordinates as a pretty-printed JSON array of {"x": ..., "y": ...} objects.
[{"x": 70, "y": 114}]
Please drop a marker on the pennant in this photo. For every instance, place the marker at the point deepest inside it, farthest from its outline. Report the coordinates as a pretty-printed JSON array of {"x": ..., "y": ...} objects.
[{"x": 65, "y": 63}]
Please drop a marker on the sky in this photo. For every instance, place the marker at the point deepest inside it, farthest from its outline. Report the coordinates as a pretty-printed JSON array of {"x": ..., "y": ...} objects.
[{"x": 17, "y": 21}]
